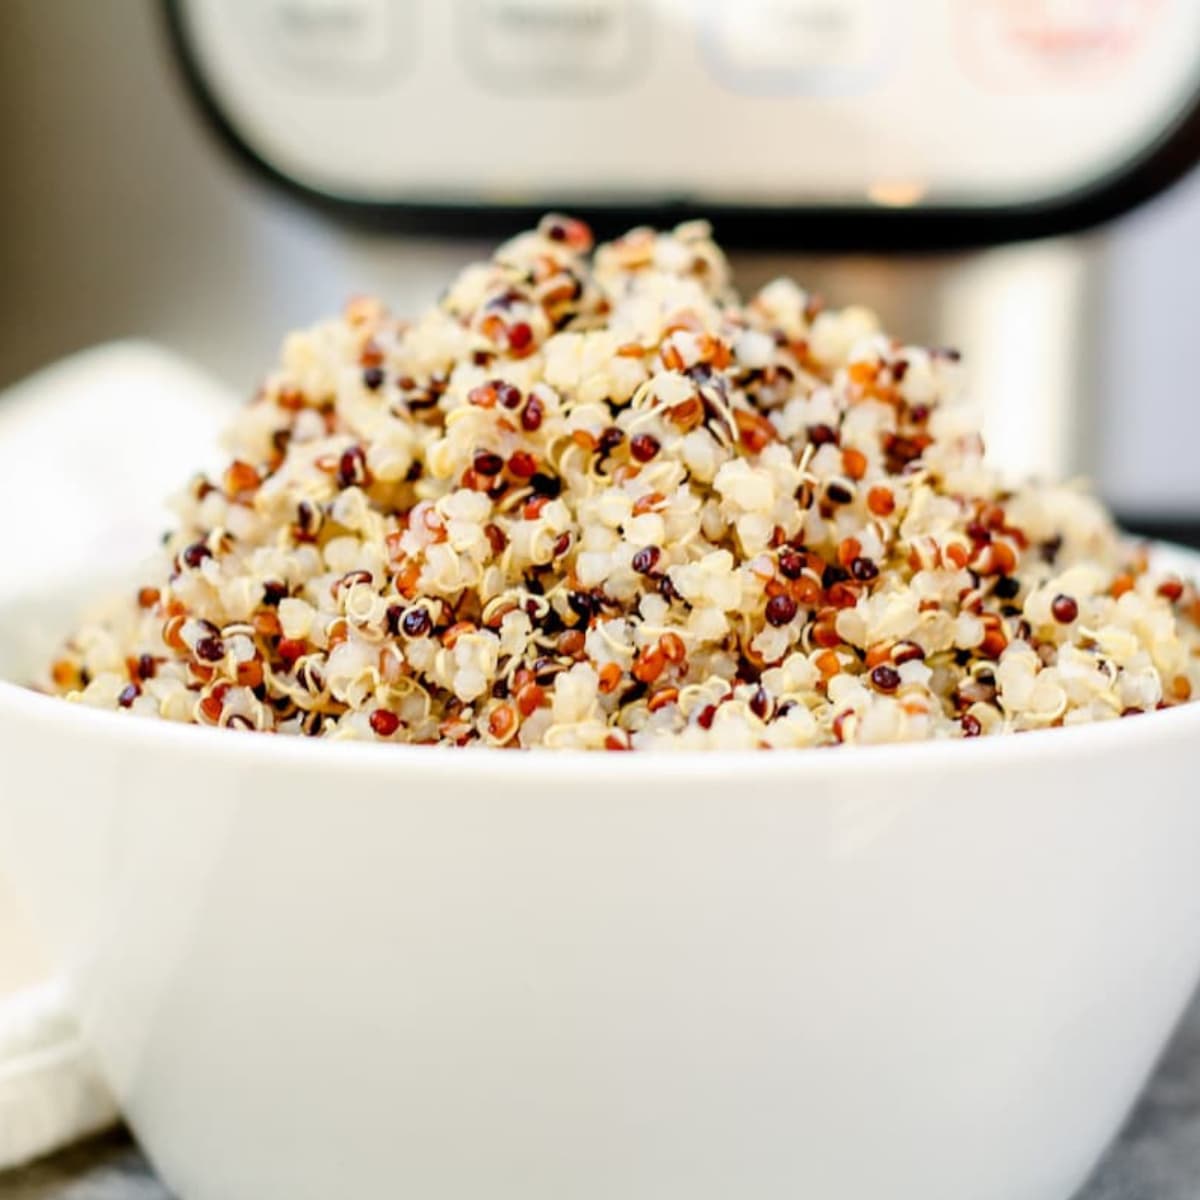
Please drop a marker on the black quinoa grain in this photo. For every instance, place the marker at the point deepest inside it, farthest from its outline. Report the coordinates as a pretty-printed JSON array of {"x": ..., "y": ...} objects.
[
  {"x": 885, "y": 678},
  {"x": 532, "y": 414},
  {"x": 644, "y": 446},
  {"x": 506, "y": 394},
  {"x": 416, "y": 622},
  {"x": 210, "y": 649},
  {"x": 780, "y": 609},
  {"x": 273, "y": 593},
  {"x": 352, "y": 467},
  {"x": 195, "y": 554},
  {"x": 545, "y": 485},
  {"x": 487, "y": 463},
  {"x": 667, "y": 590},
  {"x": 646, "y": 559},
  {"x": 1050, "y": 550},
  {"x": 609, "y": 440},
  {"x": 583, "y": 604},
  {"x": 392, "y": 618},
  {"x": 791, "y": 564}
]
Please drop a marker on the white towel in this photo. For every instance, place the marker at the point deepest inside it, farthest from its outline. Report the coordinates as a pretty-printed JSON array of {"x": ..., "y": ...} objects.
[
  {"x": 114, "y": 430},
  {"x": 103, "y": 439},
  {"x": 51, "y": 1092}
]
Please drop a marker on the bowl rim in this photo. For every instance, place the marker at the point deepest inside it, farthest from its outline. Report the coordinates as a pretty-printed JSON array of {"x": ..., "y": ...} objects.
[{"x": 21, "y": 706}]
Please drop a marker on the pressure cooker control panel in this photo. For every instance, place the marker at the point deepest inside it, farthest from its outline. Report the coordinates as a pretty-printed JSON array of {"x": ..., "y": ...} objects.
[{"x": 853, "y": 104}]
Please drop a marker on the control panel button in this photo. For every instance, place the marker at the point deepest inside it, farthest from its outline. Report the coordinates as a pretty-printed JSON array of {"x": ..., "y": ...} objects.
[
  {"x": 1048, "y": 42},
  {"x": 334, "y": 41},
  {"x": 523, "y": 46},
  {"x": 794, "y": 45}
]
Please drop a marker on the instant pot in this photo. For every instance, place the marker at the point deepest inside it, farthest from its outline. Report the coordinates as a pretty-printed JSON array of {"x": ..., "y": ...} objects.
[{"x": 938, "y": 161}]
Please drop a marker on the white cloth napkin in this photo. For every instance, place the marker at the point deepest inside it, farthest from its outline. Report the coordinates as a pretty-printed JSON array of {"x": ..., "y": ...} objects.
[
  {"x": 51, "y": 1091},
  {"x": 101, "y": 439}
]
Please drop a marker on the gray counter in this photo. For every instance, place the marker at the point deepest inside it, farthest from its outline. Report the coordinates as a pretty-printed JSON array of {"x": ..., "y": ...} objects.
[{"x": 1157, "y": 1157}]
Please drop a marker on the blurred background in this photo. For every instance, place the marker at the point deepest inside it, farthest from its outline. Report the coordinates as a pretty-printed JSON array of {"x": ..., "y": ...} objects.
[{"x": 122, "y": 213}]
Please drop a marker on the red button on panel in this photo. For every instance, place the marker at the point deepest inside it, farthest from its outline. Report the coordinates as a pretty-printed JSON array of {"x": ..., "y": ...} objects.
[{"x": 1053, "y": 43}]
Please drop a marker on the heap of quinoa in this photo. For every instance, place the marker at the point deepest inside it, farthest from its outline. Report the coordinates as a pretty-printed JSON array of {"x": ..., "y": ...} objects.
[{"x": 594, "y": 499}]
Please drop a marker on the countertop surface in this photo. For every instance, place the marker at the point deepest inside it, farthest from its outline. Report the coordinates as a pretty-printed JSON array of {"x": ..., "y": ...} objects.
[{"x": 1157, "y": 1157}]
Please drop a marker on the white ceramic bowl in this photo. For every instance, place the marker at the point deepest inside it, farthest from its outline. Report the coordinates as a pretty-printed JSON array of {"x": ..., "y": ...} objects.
[{"x": 937, "y": 972}]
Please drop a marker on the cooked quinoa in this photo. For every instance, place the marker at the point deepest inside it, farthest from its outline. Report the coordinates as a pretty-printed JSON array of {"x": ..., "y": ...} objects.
[{"x": 595, "y": 499}]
